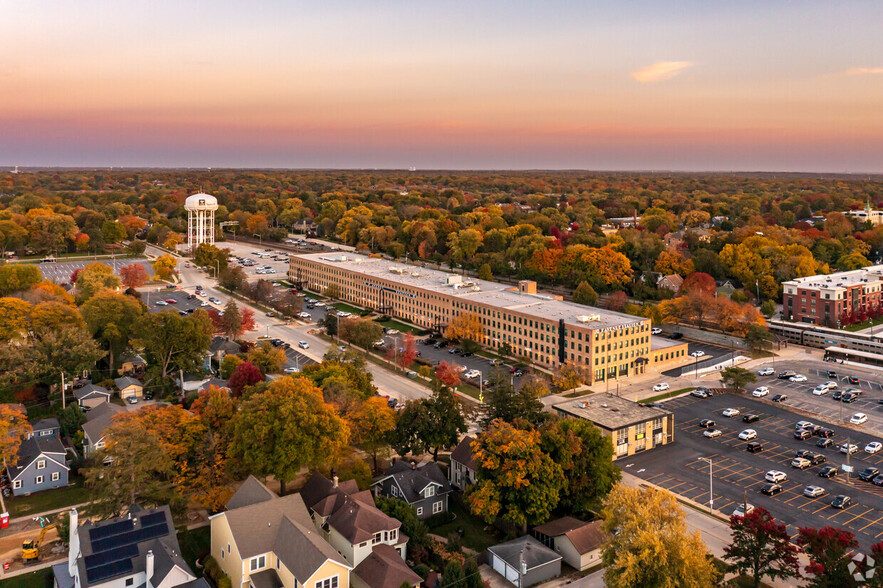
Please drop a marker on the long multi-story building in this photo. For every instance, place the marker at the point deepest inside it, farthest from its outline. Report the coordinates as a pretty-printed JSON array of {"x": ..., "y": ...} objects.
[
  {"x": 823, "y": 299},
  {"x": 546, "y": 329}
]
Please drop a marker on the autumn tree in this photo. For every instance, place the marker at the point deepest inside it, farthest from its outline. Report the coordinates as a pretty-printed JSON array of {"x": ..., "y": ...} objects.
[
  {"x": 447, "y": 374},
  {"x": 485, "y": 272},
  {"x": 113, "y": 232},
  {"x": 829, "y": 550},
  {"x": 133, "y": 275},
  {"x": 247, "y": 319},
  {"x": 408, "y": 351},
  {"x": 14, "y": 428},
  {"x": 95, "y": 277},
  {"x": 164, "y": 266},
  {"x": 516, "y": 480},
  {"x": 585, "y": 294},
  {"x": 642, "y": 521},
  {"x": 332, "y": 292},
  {"x": 212, "y": 257},
  {"x": 673, "y": 262},
  {"x": 112, "y": 319},
  {"x": 568, "y": 376},
  {"x": 277, "y": 432},
  {"x": 15, "y": 315},
  {"x": 229, "y": 365},
  {"x": 267, "y": 358},
  {"x": 203, "y": 468},
  {"x": 698, "y": 283},
  {"x": 360, "y": 332},
  {"x": 231, "y": 322},
  {"x": 373, "y": 424},
  {"x": 244, "y": 375},
  {"x": 173, "y": 342},
  {"x": 18, "y": 277},
  {"x": 467, "y": 329},
  {"x": 761, "y": 547}
]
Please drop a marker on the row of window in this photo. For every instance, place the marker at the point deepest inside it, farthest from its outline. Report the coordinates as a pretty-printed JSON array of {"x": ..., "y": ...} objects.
[
  {"x": 437, "y": 507},
  {"x": 16, "y": 484}
]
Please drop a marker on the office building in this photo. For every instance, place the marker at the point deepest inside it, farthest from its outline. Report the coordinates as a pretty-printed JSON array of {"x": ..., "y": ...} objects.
[{"x": 823, "y": 299}]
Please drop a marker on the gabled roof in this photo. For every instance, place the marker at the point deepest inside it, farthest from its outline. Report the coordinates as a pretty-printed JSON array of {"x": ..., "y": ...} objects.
[
  {"x": 46, "y": 424},
  {"x": 225, "y": 345},
  {"x": 384, "y": 568},
  {"x": 31, "y": 449},
  {"x": 99, "y": 419},
  {"x": 463, "y": 453},
  {"x": 414, "y": 479},
  {"x": 91, "y": 390},
  {"x": 125, "y": 382},
  {"x": 585, "y": 537},
  {"x": 533, "y": 552},
  {"x": 134, "y": 359},
  {"x": 251, "y": 492},
  {"x": 559, "y": 527}
]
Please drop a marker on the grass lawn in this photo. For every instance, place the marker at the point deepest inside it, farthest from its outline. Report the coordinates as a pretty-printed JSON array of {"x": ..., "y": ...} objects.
[
  {"x": 36, "y": 579},
  {"x": 194, "y": 543},
  {"x": 347, "y": 308},
  {"x": 863, "y": 325},
  {"x": 48, "y": 500},
  {"x": 666, "y": 395},
  {"x": 401, "y": 327},
  {"x": 474, "y": 534}
]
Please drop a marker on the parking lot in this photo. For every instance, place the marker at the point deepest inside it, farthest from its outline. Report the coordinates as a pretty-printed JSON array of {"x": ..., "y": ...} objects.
[
  {"x": 713, "y": 354},
  {"x": 738, "y": 474},
  {"x": 60, "y": 272}
]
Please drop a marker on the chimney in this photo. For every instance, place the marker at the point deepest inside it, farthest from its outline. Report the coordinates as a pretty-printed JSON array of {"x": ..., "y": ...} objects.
[
  {"x": 334, "y": 480},
  {"x": 74, "y": 542},
  {"x": 413, "y": 465},
  {"x": 148, "y": 568}
]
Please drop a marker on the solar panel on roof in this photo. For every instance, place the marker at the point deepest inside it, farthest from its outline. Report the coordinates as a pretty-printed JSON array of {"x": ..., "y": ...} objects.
[
  {"x": 132, "y": 537},
  {"x": 110, "y": 529},
  {"x": 111, "y": 555},
  {"x": 109, "y": 570},
  {"x": 153, "y": 519}
]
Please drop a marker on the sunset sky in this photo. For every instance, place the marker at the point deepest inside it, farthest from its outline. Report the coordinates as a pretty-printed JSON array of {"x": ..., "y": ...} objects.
[{"x": 692, "y": 85}]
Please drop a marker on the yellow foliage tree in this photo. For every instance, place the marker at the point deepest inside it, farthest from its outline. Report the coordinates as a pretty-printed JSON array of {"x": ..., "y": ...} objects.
[
  {"x": 14, "y": 318},
  {"x": 164, "y": 266},
  {"x": 465, "y": 327},
  {"x": 674, "y": 262}
]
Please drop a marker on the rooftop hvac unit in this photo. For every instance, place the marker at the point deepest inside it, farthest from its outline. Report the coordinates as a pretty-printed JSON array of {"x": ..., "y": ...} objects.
[
  {"x": 415, "y": 274},
  {"x": 396, "y": 270},
  {"x": 586, "y": 318},
  {"x": 583, "y": 405}
]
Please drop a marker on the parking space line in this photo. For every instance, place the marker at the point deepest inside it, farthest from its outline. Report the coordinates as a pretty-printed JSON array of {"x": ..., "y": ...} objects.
[{"x": 874, "y": 522}]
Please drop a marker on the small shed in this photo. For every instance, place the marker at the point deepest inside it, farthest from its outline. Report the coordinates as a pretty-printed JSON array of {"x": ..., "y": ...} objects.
[
  {"x": 524, "y": 561},
  {"x": 578, "y": 542},
  {"x": 129, "y": 387},
  {"x": 90, "y": 395}
]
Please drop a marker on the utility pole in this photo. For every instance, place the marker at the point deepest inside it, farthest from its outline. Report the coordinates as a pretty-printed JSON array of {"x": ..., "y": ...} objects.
[
  {"x": 710, "y": 463},
  {"x": 63, "y": 403}
]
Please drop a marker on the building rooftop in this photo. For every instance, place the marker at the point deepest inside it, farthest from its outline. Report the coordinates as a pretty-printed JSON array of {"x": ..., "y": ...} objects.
[
  {"x": 609, "y": 412},
  {"x": 869, "y": 275},
  {"x": 470, "y": 289},
  {"x": 657, "y": 342}
]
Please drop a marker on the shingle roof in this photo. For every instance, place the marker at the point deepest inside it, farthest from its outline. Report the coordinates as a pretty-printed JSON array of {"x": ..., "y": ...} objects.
[
  {"x": 251, "y": 492},
  {"x": 534, "y": 553},
  {"x": 99, "y": 419},
  {"x": 413, "y": 480},
  {"x": 559, "y": 526},
  {"x": 125, "y": 382},
  {"x": 46, "y": 424},
  {"x": 90, "y": 389},
  {"x": 585, "y": 537},
  {"x": 463, "y": 453},
  {"x": 266, "y": 579},
  {"x": 225, "y": 345},
  {"x": 32, "y": 448},
  {"x": 384, "y": 568}
]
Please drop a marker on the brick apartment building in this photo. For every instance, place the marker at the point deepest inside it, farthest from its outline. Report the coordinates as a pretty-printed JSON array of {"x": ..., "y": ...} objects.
[{"x": 822, "y": 300}]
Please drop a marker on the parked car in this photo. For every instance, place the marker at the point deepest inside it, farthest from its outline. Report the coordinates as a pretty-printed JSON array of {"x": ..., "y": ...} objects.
[
  {"x": 661, "y": 387},
  {"x": 828, "y": 472},
  {"x": 214, "y": 300},
  {"x": 779, "y": 398},
  {"x": 820, "y": 390},
  {"x": 873, "y": 447},
  {"x": 802, "y": 434},
  {"x": 797, "y": 378},
  {"x": 743, "y": 509},
  {"x": 813, "y": 491},
  {"x": 750, "y": 418},
  {"x": 162, "y": 303},
  {"x": 878, "y": 480},
  {"x": 730, "y": 412},
  {"x": 849, "y": 397},
  {"x": 824, "y": 443},
  {"x": 832, "y": 385},
  {"x": 712, "y": 433},
  {"x": 850, "y": 448},
  {"x": 801, "y": 463},
  {"x": 853, "y": 380},
  {"x": 291, "y": 370},
  {"x": 760, "y": 391},
  {"x": 171, "y": 301},
  {"x": 699, "y": 393},
  {"x": 802, "y": 424},
  {"x": 868, "y": 474},
  {"x": 817, "y": 458},
  {"x": 841, "y": 501},
  {"x": 825, "y": 433},
  {"x": 698, "y": 353},
  {"x": 775, "y": 476},
  {"x": 767, "y": 371},
  {"x": 707, "y": 423},
  {"x": 859, "y": 418},
  {"x": 303, "y": 344},
  {"x": 473, "y": 374},
  {"x": 831, "y": 374},
  {"x": 754, "y": 447},
  {"x": 748, "y": 435},
  {"x": 771, "y": 489},
  {"x": 655, "y": 331},
  {"x": 132, "y": 400},
  {"x": 784, "y": 375}
]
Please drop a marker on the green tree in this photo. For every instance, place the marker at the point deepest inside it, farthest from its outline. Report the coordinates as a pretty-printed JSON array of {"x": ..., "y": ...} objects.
[
  {"x": 267, "y": 358},
  {"x": 229, "y": 364},
  {"x": 413, "y": 527},
  {"x": 768, "y": 308},
  {"x": 12, "y": 236},
  {"x": 72, "y": 419},
  {"x": 516, "y": 480},
  {"x": 113, "y": 232},
  {"x": 485, "y": 273},
  {"x": 231, "y": 322},
  {"x": 289, "y": 426},
  {"x": 430, "y": 424},
  {"x": 503, "y": 401},
  {"x": 18, "y": 277},
  {"x": 648, "y": 543},
  {"x": 68, "y": 350},
  {"x": 173, "y": 342},
  {"x": 585, "y": 294},
  {"x": 360, "y": 332},
  {"x": 332, "y": 292},
  {"x": 758, "y": 338},
  {"x": 761, "y": 548},
  {"x": 212, "y": 257},
  {"x": 454, "y": 577},
  {"x": 736, "y": 377},
  {"x": 95, "y": 277},
  {"x": 112, "y": 319}
]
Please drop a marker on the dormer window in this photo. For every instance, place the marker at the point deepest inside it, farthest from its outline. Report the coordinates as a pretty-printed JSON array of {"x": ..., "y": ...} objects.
[{"x": 430, "y": 491}]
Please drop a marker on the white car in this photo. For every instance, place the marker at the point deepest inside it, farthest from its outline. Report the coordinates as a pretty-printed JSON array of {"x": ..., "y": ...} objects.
[
  {"x": 201, "y": 293},
  {"x": 655, "y": 331},
  {"x": 303, "y": 344},
  {"x": 850, "y": 449},
  {"x": 798, "y": 378},
  {"x": 730, "y": 412},
  {"x": 214, "y": 300},
  {"x": 831, "y": 385},
  {"x": 873, "y": 447},
  {"x": 748, "y": 435},
  {"x": 132, "y": 400},
  {"x": 291, "y": 370},
  {"x": 712, "y": 433},
  {"x": 472, "y": 374},
  {"x": 820, "y": 390},
  {"x": 743, "y": 509},
  {"x": 698, "y": 353},
  {"x": 859, "y": 418},
  {"x": 204, "y": 303},
  {"x": 392, "y": 332},
  {"x": 813, "y": 491},
  {"x": 661, "y": 387},
  {"x": 760, "y": 391},
  {"x": 775, "y": 476},
  {"x": 162, "y": 303},
  {"x": 320, "y": 305},
  {"x": 460, "y": 368},
  {"x": 803, "y": 424},
  {"x": 767, "y": 371}
]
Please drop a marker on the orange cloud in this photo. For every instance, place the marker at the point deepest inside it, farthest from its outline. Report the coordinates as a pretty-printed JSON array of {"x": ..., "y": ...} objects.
[
  {"x": 863, "y": 71},
  {"x": 663, "y": 70}
]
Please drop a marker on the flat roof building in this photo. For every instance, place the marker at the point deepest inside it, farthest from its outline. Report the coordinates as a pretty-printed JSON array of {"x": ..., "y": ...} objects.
[
  {"x": 544, "y": 328},
  {"x": 631, "y": 427},
  {"x": 823, "y": 299}
]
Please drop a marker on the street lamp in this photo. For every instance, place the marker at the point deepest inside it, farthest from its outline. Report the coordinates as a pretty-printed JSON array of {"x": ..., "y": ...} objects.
[{"x": 710, "y": 463}]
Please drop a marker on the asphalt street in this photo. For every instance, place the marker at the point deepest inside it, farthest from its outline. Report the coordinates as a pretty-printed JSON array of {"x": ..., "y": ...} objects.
[{"x": 738, "y": 474}]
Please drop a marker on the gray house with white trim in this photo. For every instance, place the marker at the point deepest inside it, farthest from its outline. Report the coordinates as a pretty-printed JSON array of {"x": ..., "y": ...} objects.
[
  {"x": 524, "y": 561},
  {"x": 98, "y": 420},
  {"x": 45, "y": 428},
  {"x": 41, "y": 466},
  {"x": 424, "y": 487},
  {"x": 90, "y": 395}
]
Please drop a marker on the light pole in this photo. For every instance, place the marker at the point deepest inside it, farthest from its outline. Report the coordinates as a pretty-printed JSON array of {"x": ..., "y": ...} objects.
[{"x": 710, "y": 463}]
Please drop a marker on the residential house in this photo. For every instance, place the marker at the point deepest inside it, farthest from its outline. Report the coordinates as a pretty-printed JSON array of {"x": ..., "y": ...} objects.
[
  {"x": 672, "y": 282},
  {"x": 139, "y": 549},
  {"x": 349, "y": 520},
  {"x": 129, "y": 387},
  {"x": 725, "y": 288},
  {"x": 674, "y": 240},
  {"x": 90, "y": 395},
  {"x": 262, "y": 540},
  {"x": 424, "y": 487},
  {"x": 97, "y": 421},
  {"x": 45, "y": 428},
  {"x": 222, "y": 346},
  {"x": 578, "y": 542},
  {"x": 524, "y": 561},
  {"x": 132, "y": 365},
  {"x": 41, "y": 465},
  {"x": 463, "y": 470},
  {"x": 384, "y": 568}
]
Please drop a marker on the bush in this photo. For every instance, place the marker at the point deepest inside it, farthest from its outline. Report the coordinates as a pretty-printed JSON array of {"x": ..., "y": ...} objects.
[
  {"x": 216, "y": 574},
  {"x": 421, "y": 570},
  {"x": 442, "y": 518}
]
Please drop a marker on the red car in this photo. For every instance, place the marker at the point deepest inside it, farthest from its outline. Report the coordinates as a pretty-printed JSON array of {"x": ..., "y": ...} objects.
[{"x": 172, "y": 301}]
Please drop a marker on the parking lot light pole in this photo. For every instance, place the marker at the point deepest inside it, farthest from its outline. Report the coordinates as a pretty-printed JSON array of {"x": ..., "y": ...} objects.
[{"x": 710, "y": 463}]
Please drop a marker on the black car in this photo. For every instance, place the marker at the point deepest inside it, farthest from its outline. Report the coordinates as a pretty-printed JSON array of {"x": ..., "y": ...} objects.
[
  {"x": 750, "y": 418},
  {"x": 802, "y": 434},
  {"x": 191, "y": 296},
  {"x": 392, "y": 402},
  {"x": 825, "y": 433},
  {"x": 814, "y": 429},
  {"x": 754, "y": 447},
  {"x": 842, "y": 501},
  {"x": 771, "y": 489},
  {"x": 837, "y": 395},
  {"x": 429, "y": 341},
  {"x": 148, "y": 396},
  {"x": 817, "y": 458},
  {"x": 786, "y": 374},
  {"x": 867, "y": 474},
  {"x": 824, "y": 443},
  {"x": 779, "y": 398},
  {"x": 676, "y": 336},
  {"x": 878, "y": 480},
  {"x": 828, "y": 472},
  {"x": 803, "y": 453},
  {"x": 467, "y": 354},
  {"x": 849, "y": 398},
  {"x": 707, "y": 424},
  {"x": 831, "y": 374},
  {"x": 853, "y": 380}
]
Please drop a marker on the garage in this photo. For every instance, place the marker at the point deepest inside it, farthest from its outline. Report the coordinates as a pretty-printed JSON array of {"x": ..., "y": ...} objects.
[{"x": 537, "y": 562}]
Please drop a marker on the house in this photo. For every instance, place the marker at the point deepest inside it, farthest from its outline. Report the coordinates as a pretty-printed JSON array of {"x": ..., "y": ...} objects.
[
  {"x": 41, "y": 465},
  {"x": 45, "y": 428},
  {"x": 90, "y": 395},
  {"x": 349, "y": 520},
  {"x": 578, "y": 542},
  {"x": 463, "y": 469},
  {"x": 97, "y": 421},
  {"x": 132, "y": 365},
  {"x": 139, "y": 549},
  {"x": 725, "y": 288},
  {"x": 424, "y": 487},
  {"x": 263, "y": 540},
  {"x": 129, "y": 387},
  {"x": 524, "y": 561},
  {"x": 672, "y": 282},
  {"x": 222, "y": 346},
  {"x": 384, "y": 568}
]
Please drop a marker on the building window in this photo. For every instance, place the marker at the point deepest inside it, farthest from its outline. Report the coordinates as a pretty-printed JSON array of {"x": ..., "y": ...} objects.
[
  {"x": 16, "y": 484},
  {"x": 55, "y": 476},
  {"x": 375, "y": 539},
  {"x": 228, "y": 548},
  {"x": 258, "y": 562},
  {"x": 430, "y": 491},
  {"x": 393, "y": 535},
  {"x": 419, "y": 510},
  {"x": 130, "y": 581},
  {"x": 38, "y": 480},
  {"x": 327, "y": 583},
  {"x": 437, "y": 507},
  {"x": 41, "y": 464},
  {"x": 394, "y": 491},
  {"x": 222, "y": 554}
]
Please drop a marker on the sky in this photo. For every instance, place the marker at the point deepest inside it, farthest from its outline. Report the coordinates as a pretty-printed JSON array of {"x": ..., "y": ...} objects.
[{"x": 749, "y": 85}]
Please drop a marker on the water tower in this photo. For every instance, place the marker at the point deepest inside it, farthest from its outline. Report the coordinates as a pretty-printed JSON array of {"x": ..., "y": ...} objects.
[{"x": 200, "y": 219}]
